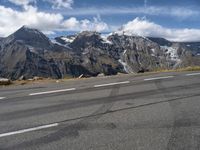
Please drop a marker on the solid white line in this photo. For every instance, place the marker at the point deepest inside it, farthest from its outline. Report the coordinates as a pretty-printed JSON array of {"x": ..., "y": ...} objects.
[
  {"x": 50, "y": 92},
  {"x": 2, "y": 98},
  {"x": 193, "y": 74},
  {"x": 110, "y": 84},
  {"x": 157, "y": 78},
  {"x": 28, "y": 130}
]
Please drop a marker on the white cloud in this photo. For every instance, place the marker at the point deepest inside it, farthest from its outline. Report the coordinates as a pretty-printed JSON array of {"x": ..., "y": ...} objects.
[
  {"x": 75, "y": 25},
  {"x": 57, "y": 4},
  {"x": 19, "y": 2},
  {"x": 49, "y": 23},
  {"x": 144, "y": 27},
  {"x": 11, "y": 20},
  {"x": 182, "y": 12},
  {"x": 22, "y": 2},
  {"x": 72, "y": 24}
]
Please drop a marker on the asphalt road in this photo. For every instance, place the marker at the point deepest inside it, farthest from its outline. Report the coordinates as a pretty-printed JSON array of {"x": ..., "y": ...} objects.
[{"x": 149, "y": 112}]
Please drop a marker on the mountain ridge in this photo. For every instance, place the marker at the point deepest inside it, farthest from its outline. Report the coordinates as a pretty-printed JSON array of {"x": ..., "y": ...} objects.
[{"x": 28, "y": 53}]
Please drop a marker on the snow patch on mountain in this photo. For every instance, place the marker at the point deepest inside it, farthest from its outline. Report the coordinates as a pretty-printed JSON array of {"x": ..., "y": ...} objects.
[
  {"x": 64, "y": 45},
  {"x": 124, "y": 64},
  {"x": 105, "y": 39},
  {"x": 172, "y": 52},
  {"x": 153, "y": 52},
  {"x": 68, "y": 39},
  {"x": 85, "y": 52},
  {"x": 55, "y": 42},
  {"x": 31, "y": 49},
  {"x": 122, "y": 61},
  {"x": 124, "y": 52}
]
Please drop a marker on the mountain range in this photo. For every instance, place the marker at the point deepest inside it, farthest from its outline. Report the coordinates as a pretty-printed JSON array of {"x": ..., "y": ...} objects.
[{"x": 28, "y": 53}]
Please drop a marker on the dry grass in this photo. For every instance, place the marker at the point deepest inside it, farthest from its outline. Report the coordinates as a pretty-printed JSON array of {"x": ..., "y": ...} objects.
[
  {"x": 190, "y": 68},
  {"x": 31, "y": 81},
  {"x": 48, "y": 80},
  {"x": 67, "y": 77}
]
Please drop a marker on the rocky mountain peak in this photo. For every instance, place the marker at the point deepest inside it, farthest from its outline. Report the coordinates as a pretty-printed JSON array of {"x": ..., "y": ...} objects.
[
  {"x": 89, "y": 33},
  {"x": 86, "y": 39},
  {"x": 89, "y": 36},
  {"x": 30, "y": 36},
  {"x": 24, "y": 32}
]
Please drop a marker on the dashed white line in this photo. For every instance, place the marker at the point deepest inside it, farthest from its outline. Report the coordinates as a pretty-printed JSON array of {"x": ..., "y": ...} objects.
[
  {"x": 158, "y": 78},
  {"x": 50, "y": 92},
  {"x": 28, "y": 130},
  {"x": 110, "y": 84},
  {"x": 193, "y": 74},
  {"x": 2, "y": 98}
]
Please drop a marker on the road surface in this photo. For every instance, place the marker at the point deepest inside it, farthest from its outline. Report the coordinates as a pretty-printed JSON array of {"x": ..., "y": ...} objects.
[{"x": 148, "y": 112}]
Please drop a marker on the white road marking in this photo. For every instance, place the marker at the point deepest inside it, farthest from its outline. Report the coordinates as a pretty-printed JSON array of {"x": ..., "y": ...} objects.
[
  {"x": 28, "y": 130},
  {"x": 193, "y": 74},
  {"x": 110, "y": 84},
  {"x": 157, "y": 78},
  {"x": 50, "y": 92},
  {"x": 2, "y": 98}
]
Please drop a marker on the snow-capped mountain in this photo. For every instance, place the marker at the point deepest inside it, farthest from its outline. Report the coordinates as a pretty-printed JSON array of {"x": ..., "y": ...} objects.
[{"x": 28, "y": 52}]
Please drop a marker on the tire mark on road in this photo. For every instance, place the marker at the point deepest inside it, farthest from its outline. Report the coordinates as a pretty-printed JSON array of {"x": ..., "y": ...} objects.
[
  {"x": 181, "y": 135},
  {"x": 105, "y": 107},
  {"x": 71, "y": 104},
  {"x": 66, "y": 132},
  {"x": 72, "y": 130}
]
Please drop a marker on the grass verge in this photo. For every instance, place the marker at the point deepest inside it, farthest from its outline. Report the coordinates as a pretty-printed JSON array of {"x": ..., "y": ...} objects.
[{"x": 190, "y": 68}]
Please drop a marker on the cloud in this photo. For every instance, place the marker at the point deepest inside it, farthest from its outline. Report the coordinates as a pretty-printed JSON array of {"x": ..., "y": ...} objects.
[
  {"x": 19, "y": 2},
  {"x": 49, "y": 23},
  {"x": 143, "y": 27},
  {"x": 22, "y": 2},
  {"x": 182, "y": 12},
  {"x": 75, "y": 25},
  {"x": 57, "y": 4}
]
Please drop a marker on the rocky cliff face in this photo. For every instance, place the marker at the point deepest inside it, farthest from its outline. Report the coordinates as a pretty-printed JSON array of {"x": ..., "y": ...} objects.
[
  {"x": 184, "y": 53},
  {"x": 29, "y": 53},
  {"x": 136, "y": 54}
]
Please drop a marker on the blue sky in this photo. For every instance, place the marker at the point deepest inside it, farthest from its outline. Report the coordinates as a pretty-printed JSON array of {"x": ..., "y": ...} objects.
[{"x": 55, "y": 17}]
